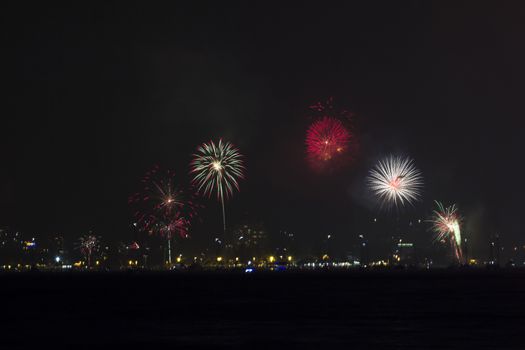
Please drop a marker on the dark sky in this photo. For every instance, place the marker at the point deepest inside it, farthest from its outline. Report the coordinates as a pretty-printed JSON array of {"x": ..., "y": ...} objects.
[{"x": 96, "y": 95}]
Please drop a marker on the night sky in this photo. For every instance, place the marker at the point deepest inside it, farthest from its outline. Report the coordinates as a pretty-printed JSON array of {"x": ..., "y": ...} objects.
[{"x": 97, "y": 95}]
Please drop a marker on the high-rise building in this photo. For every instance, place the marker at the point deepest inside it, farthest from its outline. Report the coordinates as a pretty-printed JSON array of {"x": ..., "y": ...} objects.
[
  {"x": 249, "y": 240},
  {"x": 404, "y": 254},
  {"x": 285, "y": 244}
]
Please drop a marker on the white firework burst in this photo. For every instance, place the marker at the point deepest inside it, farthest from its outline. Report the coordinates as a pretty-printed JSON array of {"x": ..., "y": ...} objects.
[
  {"x": 396, "y": 181},
  {"x": 217, "y": 168}
]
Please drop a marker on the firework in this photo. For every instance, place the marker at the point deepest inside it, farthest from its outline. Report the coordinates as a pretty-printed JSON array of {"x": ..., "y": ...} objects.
[
  {"x": 325, "y": 139},
  {"x": 217, "y": 168},
  {"x": 395, "y": 181},
  {"x": 87, "y": 245},
  {"x": 163, "y": 208},
  {"x": 329, "y": 140},
  {"x": 446, "y": 223}
]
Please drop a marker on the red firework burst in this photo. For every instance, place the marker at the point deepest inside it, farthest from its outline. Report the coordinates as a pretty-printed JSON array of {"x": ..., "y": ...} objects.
[
  {"x": 162, "y": 207},
  {"x": 327, "y": 139},
  {"x": 330, "y": 142}
]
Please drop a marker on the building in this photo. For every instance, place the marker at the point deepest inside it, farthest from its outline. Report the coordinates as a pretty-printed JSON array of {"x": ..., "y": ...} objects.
[
  {"x": 285, "y": 244},
  {"x": 249, "y": 241},
  {"x": 404, "y": 254}
]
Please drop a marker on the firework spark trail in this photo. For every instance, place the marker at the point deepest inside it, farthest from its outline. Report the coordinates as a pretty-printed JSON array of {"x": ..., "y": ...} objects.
[
  {"x": 446, "y": 223},
  {"x": 217, "y": 168},
  {"x": 395, "y": 181}
]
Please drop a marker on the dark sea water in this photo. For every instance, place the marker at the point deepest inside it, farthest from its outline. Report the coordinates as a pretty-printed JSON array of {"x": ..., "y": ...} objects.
[{"x": 368, "y": 310}]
